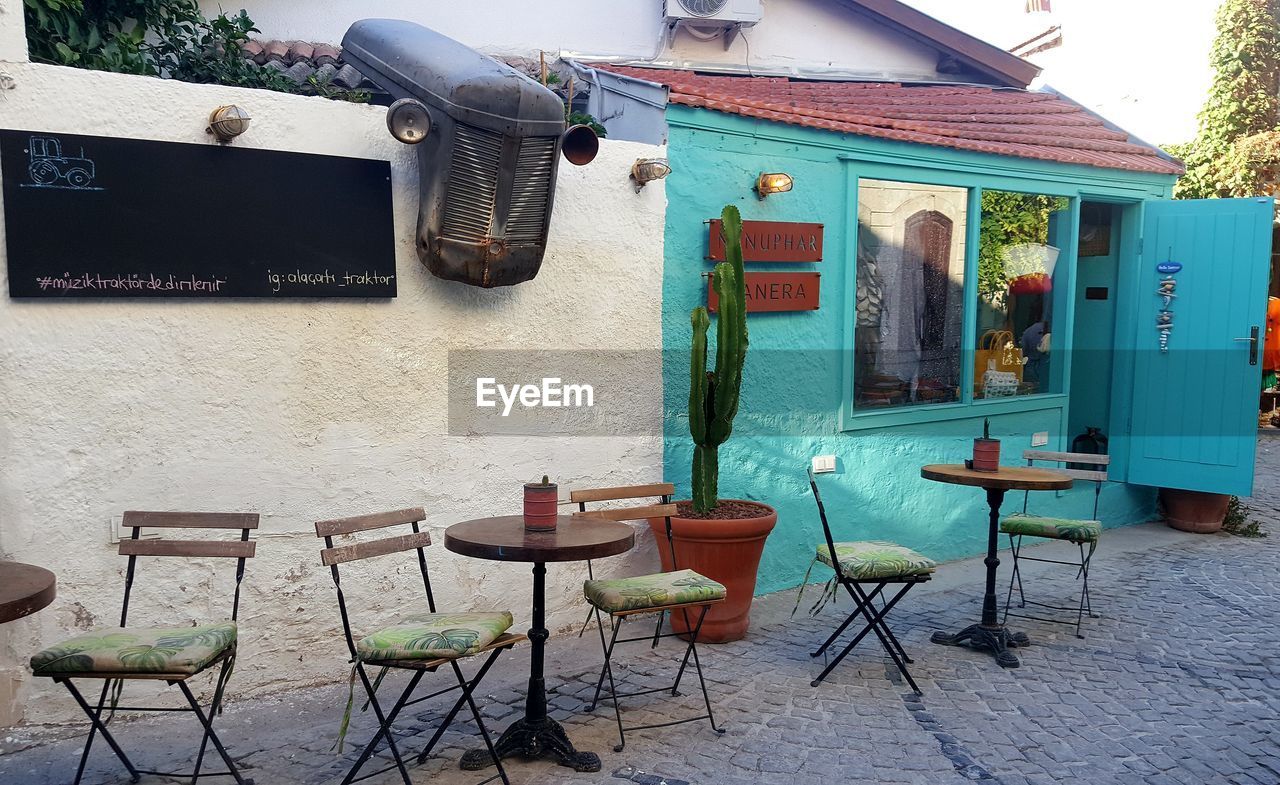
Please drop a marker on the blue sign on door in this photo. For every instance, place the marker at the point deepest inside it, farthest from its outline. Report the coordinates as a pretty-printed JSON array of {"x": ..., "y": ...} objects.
[{"x": 1168, "y": 268}]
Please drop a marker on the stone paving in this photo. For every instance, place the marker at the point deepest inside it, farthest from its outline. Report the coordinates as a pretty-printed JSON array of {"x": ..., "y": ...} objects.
[{"x": 1178, "y": 683}]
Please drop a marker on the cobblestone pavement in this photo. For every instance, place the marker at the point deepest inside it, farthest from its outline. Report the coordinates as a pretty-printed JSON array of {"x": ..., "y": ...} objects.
[{"x": 1177, "y": 683}]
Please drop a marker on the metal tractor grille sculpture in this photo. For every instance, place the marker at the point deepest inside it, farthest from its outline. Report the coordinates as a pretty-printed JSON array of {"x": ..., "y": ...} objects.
[{"x": 488, "y": 142}]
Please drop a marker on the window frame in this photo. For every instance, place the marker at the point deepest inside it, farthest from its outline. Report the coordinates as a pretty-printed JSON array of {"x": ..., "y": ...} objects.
[{"x": 853, "y": 419}]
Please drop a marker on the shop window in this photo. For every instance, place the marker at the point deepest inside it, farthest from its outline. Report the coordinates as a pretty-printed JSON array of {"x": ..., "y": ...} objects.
[
  {"x": 910, "y": 284},
  {"x": 1019, "y": 241}
]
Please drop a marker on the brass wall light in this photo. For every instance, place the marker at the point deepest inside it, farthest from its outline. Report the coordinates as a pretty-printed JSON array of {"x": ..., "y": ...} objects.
[
  {"x": 646, "y": 170},
  {"x": 772, "y": 183},
  {"x": 227, "y": 122}
]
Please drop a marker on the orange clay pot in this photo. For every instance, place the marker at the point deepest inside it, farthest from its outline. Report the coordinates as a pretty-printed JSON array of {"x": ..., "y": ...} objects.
[
  {"x": 726, "y": 551},
  {"x": 1194, "y": 511}
]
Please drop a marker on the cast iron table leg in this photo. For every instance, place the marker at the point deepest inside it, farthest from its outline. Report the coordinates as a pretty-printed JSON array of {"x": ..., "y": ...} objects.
[
  {"x": 989, "y": 634},
  {"x": 535, "y": 735}
]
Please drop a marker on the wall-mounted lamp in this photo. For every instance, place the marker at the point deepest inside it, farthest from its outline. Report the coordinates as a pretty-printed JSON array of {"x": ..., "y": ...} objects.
[
  {"x": 646, "y": 170},
  {"x": 408, "y": 120},
  {"x": 227, "y": 122},
  {"x": 773, "y": 183}
]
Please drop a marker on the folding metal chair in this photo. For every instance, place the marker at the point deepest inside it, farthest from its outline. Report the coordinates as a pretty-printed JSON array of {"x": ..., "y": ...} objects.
[
  {"x": 1080, "y": 532},
  {"x": 660, "y": 593},
  {"x": 871, "y": 563},
  {"x": 417, "y": 642},
  {"x": 169, "y": 654}
]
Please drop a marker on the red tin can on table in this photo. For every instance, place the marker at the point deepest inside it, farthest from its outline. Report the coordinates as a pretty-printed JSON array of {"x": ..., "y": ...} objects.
[{"x": 540, "y": 507}]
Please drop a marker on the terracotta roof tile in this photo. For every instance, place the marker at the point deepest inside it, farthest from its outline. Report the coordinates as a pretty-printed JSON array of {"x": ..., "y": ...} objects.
[
  {"x": 300, "y": 50},
  {"x": 299, "y": 60},
  {"x": 1002, "y": 121},
  {"x": 275, "y": 50}
]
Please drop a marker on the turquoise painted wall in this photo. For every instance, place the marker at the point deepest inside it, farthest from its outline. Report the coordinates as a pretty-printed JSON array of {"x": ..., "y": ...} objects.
[{"x": 794, "y": 380}]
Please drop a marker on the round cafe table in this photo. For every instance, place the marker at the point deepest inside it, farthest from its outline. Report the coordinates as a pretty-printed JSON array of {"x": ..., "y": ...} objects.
[
  {"x": 505, "y": 539},
  {"x": 989, "y": 634},
  {"x": 24, "y": 589}
]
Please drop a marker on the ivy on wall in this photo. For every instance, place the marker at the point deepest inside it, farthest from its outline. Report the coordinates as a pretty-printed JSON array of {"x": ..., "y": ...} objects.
[
  {"x": 1009, "y": 218},
  {"x": 167, "y": 38},
  {"x": 1236, "y": 151}
]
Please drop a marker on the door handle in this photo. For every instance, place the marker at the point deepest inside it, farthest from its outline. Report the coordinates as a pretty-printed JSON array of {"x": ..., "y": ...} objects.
[{"x": 1253, "y": 345}]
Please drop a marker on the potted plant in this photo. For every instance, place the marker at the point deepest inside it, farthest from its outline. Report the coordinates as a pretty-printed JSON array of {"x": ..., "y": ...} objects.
[
  {"x": 1194, "y": 511},
  {"x": 719, "y": 538}
]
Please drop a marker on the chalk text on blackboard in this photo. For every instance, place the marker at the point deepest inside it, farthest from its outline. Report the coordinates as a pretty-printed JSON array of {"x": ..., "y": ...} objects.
[
  {"x": 326, "y": 278},
  {"x": 131, "y": 281}
]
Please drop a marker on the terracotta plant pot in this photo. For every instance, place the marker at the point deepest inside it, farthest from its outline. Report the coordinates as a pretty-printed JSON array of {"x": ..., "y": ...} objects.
[
  {"x": 540, "y": 508},
  {"x": 727, "y": 551},
  {"x": 1194, "y": 511}
]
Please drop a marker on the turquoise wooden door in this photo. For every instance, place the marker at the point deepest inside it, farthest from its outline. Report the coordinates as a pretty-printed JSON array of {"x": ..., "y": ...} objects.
[{"x": 1195, "y": 407}]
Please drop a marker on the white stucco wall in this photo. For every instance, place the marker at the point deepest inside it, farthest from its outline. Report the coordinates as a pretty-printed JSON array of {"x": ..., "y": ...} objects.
[
  {"x": 299, "y": 410},
  {"x": 792, "y": 36}
]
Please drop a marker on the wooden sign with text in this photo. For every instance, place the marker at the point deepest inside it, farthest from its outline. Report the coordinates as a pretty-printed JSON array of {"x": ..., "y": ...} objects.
[
  {"x": 771, "y": 241},
  {"x": 775, "y": 292}
]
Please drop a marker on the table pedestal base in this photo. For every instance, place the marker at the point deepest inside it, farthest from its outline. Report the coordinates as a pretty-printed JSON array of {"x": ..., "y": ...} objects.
[
  {"x": 998, "y": 640},
  {"x": 532, "y": 740}
]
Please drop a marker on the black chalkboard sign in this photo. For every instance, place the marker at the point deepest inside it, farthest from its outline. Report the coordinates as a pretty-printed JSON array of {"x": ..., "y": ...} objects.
[{"x": 91, "y": 216}]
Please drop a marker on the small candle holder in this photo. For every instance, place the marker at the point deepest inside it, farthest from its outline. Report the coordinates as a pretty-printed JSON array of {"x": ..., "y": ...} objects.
[
  {"x": 540, "y": 508},
  {"x": 986, "y": 451}
]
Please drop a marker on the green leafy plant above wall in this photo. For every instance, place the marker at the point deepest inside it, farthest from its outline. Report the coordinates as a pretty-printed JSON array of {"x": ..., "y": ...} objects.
[
  {"x": 167, "y": 38},
  {"x": 582, "y": 118},
  {"x": 1236, "y": 151}
]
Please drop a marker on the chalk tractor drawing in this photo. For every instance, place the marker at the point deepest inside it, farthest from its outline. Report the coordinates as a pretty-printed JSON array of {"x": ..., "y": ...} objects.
[{"x": 51, "y": 169}]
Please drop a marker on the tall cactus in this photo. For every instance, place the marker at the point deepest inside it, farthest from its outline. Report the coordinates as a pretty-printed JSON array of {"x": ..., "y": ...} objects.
[{"x": 713, "y": 395}]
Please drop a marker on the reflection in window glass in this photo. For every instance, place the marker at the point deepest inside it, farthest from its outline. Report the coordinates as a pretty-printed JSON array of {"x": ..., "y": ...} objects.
[
  {"x": 1019, "y": 242},
  {"x": 910, "y": 301}
]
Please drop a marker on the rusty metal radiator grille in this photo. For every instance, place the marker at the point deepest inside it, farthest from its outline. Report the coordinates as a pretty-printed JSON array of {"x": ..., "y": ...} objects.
[
  {"x": 473, "y": 182},
  {"x": 530, "y": 193}
]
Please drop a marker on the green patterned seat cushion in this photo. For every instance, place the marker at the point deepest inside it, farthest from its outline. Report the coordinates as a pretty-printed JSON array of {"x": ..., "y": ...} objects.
[
  {"x": 431, "y": 636},
  {"x": 871, "y": 559},
  {"x": 182, "y": 650},
  {"x": 652, "y": 591},
  {"x": 1055, "y": 528}
]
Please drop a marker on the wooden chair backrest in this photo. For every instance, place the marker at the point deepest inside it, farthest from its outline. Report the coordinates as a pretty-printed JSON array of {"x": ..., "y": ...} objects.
[
  {"x": 333, "y": 555},
  {"x": 1096, "y": 476},
  {"x": 623, "y": 492},
  {"x": 134, "y": 546},
  {"x": 664, "y": 509},
  {"x": 146, "y": 519},
  {"x": 637, "y": 513},
  {"x": 1047, "y": 456}
]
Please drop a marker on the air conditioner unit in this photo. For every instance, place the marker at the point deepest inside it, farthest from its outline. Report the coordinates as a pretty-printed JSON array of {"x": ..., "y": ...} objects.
[{"x": 704, "y": 18}]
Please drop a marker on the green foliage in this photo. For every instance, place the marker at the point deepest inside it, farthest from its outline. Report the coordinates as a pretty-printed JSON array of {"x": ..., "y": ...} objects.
[
  {"x": 1009, "y": 218},
  {"x": 1243, "y": 102},
  {"x": 1238, "y": 521},
  {"x": 167, "y": 38},
  {"x": 108, "y": 35},
  {"x": 714, "y": 395},
  {"x": 325, "y": 88},
  {"x": 582, "y": 118}
]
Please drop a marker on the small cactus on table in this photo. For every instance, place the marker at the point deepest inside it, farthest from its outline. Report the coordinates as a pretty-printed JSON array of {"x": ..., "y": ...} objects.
[{"x": 714, "y": 395}]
